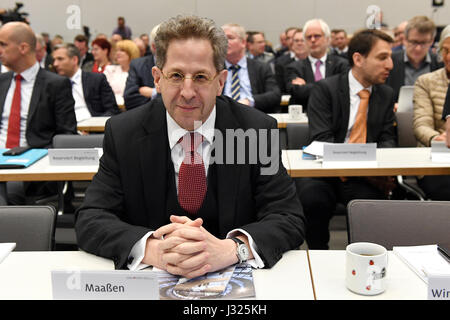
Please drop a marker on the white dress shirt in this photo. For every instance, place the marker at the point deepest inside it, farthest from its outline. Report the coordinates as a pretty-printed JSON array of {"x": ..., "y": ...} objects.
[
  {"x": 26, "y": 90},
  {"x": 117, "y": 79},
  {"x": 175, "y": 132},
  {"x": 355, "y": 87},
  {"x": 81, "y": 110}
]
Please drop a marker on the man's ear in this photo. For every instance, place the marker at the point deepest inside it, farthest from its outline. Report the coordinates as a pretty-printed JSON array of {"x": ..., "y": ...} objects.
[
  {"x": 358, "y": 59},
  {"x": 156, "y": 73},
  {"x": 222, "y": 78}
]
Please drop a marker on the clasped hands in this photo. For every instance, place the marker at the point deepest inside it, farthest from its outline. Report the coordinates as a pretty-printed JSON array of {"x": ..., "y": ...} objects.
[{"x": 185, "y": 248}]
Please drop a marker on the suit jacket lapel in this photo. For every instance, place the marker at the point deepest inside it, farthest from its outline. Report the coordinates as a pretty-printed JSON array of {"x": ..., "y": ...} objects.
[
  {"x": 329, "y": 66},
  {"x": 344, "y": 100},
  {"x": 4, "y": 87},
  {"x": 373, "y": 112},
  {"x": 252, "y": 75},
  {"x": 227, "y": 174},
  {"x": 309, "y": 73},
  {"x": 154, "y": 162},
  {"x": 39, "y": 86},
  {"x": 85, "y": 84}
]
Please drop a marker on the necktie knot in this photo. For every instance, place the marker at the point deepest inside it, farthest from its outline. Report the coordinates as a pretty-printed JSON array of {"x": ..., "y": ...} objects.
[
  {"x": 18, "y": 77},
  {"x": 317, "y": 73},
  {"x": 318, "y": 63},
  {"x": 364, "y": 94},
  {"x": 190, "y": 141},
  {"x": 235, "y": 68}
]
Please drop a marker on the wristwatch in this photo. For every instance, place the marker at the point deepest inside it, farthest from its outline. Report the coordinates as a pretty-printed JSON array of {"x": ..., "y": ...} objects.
[{"x": 242, "y": 251}]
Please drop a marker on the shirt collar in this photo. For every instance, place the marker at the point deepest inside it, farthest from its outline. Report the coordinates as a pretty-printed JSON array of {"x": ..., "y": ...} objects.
[
  {"x": 175, "y": 132},
  {"x": 313, "y": 60},
  {"x": 241, "y": 63},
  {"x": 355, "y": 85},
  {"x": 76, "y": 78},
  {"x": 30, "y": 73},
  {"x": 427, "y": 57}
]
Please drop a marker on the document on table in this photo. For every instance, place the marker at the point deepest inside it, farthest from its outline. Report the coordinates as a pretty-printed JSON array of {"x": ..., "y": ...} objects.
[
  {"x": 5, "y": 249},
  {"x": 423, "y": 260},
  {"x": 439, "y": 152}
]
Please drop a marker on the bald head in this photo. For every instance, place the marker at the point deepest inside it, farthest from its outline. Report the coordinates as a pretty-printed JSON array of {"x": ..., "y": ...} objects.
[
  {"x": 17, "y": 46},
  {"x": 20, "y": 32}
]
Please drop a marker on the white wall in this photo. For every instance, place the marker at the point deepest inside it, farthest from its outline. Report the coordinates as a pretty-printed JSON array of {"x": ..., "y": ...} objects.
[{"x": 270, "y": 16}]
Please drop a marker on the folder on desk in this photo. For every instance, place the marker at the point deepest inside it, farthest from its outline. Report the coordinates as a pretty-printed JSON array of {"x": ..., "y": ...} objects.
[{"x": 21, "y": 161}]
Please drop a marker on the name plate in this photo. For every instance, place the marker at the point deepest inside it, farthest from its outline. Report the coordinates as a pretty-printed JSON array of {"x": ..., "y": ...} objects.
[
  {"x": 73, "y": 157},
  {"x": 439, "y": 287},
  {"x": 349, "y": 155},
  {"x": 105, "y": 285}
]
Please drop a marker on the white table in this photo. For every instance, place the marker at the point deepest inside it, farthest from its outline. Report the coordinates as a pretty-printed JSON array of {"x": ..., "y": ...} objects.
[
  {"x": 328, "y": 272},
  {"x": 94, "y": 124},
  {"x": 41, "y": 170},
  {"x": 27, "y": 275},
  {"x": 390, "y": 162}
]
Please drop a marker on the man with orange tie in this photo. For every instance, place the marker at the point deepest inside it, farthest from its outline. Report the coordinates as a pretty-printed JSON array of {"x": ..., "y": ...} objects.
[
  {"x": 35, "y": 104},
  {"x": 351, "y": 107},
  {"x": 160, "y": 198}
]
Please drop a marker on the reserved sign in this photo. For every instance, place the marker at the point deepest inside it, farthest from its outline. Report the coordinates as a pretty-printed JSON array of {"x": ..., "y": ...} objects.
[
  {"x": 105, "y": 285},
  {"x": 438, "y": 287},
  {"x": 350, "y": 152},
  {"x": 73, "y": 157},
  {"x": 349, "y": 155}
]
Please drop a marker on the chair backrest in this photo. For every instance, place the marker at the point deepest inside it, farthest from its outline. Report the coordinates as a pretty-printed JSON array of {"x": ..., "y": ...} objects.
[
  {"x": 405, "y": 131},
  {"x": 399, "y": 222},
  {"x": 405, "y": 99},
  {"x": 297, "y": 135},
  {"x": 32, "y": 228},
  {"x": 69, "y": 141}
]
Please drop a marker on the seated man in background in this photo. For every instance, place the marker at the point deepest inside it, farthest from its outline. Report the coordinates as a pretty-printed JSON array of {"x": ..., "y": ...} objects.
[
  {"x": 249, "y": 82},
  {"x": 429, "y": 96},
  {"x": 416, "y": 59},
  {"x": 303, "y": 74},
  {"x": 351, "y": 107},
  {"x": 256, "y": 46},
  {"x": 35, "y": 104},
  {"x": 140, "y": 87},
  {"x": 92, "y": 93},
  {"x": 298, "y": 51},
  {"x": 159, "y": 198},
  {"x": 86, "y": 58}
]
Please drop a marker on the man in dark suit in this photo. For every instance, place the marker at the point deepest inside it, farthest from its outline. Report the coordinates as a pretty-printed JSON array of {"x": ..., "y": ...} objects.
[
  {"x": 92, "y": 93},
  {"x": 301, "y": 75},
  {"x": 141, "y": 209},
  {"x": 140, "y": 87},
  {"x": 257, "y": 84},
  {"x": 297, "y": 51},
  {"x": 416, "y": 59},
  {"x": 35, "y": 104},
  {"x": 338, "y": 114},
  {"x": 86, "y": 58},
  {"x": 45, "y": 60}
]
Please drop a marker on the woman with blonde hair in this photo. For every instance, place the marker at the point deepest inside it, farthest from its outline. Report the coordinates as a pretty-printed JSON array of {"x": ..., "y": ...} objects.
[
  {"x": 430, "y": 90},
  {"x": 126, "y": 50}
]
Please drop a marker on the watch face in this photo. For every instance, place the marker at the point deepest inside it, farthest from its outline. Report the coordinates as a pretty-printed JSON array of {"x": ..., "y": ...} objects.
[{"x": 243, "y": 252}]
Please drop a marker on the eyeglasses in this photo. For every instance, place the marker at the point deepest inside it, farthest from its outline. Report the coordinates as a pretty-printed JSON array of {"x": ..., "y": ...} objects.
[
  {"x": 199, "y": 79},
  {"x": 422, "y": 44},
  {"x": 316, "y": 36}
]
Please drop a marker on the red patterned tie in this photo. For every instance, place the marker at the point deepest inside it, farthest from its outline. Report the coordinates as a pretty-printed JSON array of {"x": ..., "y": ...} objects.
[
  {"x": 191, "y": 178},
  {"x": 13, "y": 136}
]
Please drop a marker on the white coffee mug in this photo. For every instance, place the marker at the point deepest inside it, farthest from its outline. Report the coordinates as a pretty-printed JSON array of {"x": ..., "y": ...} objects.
[
  {"x": 295, "y": 111},
  {"x": 366, "y": 265}
]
